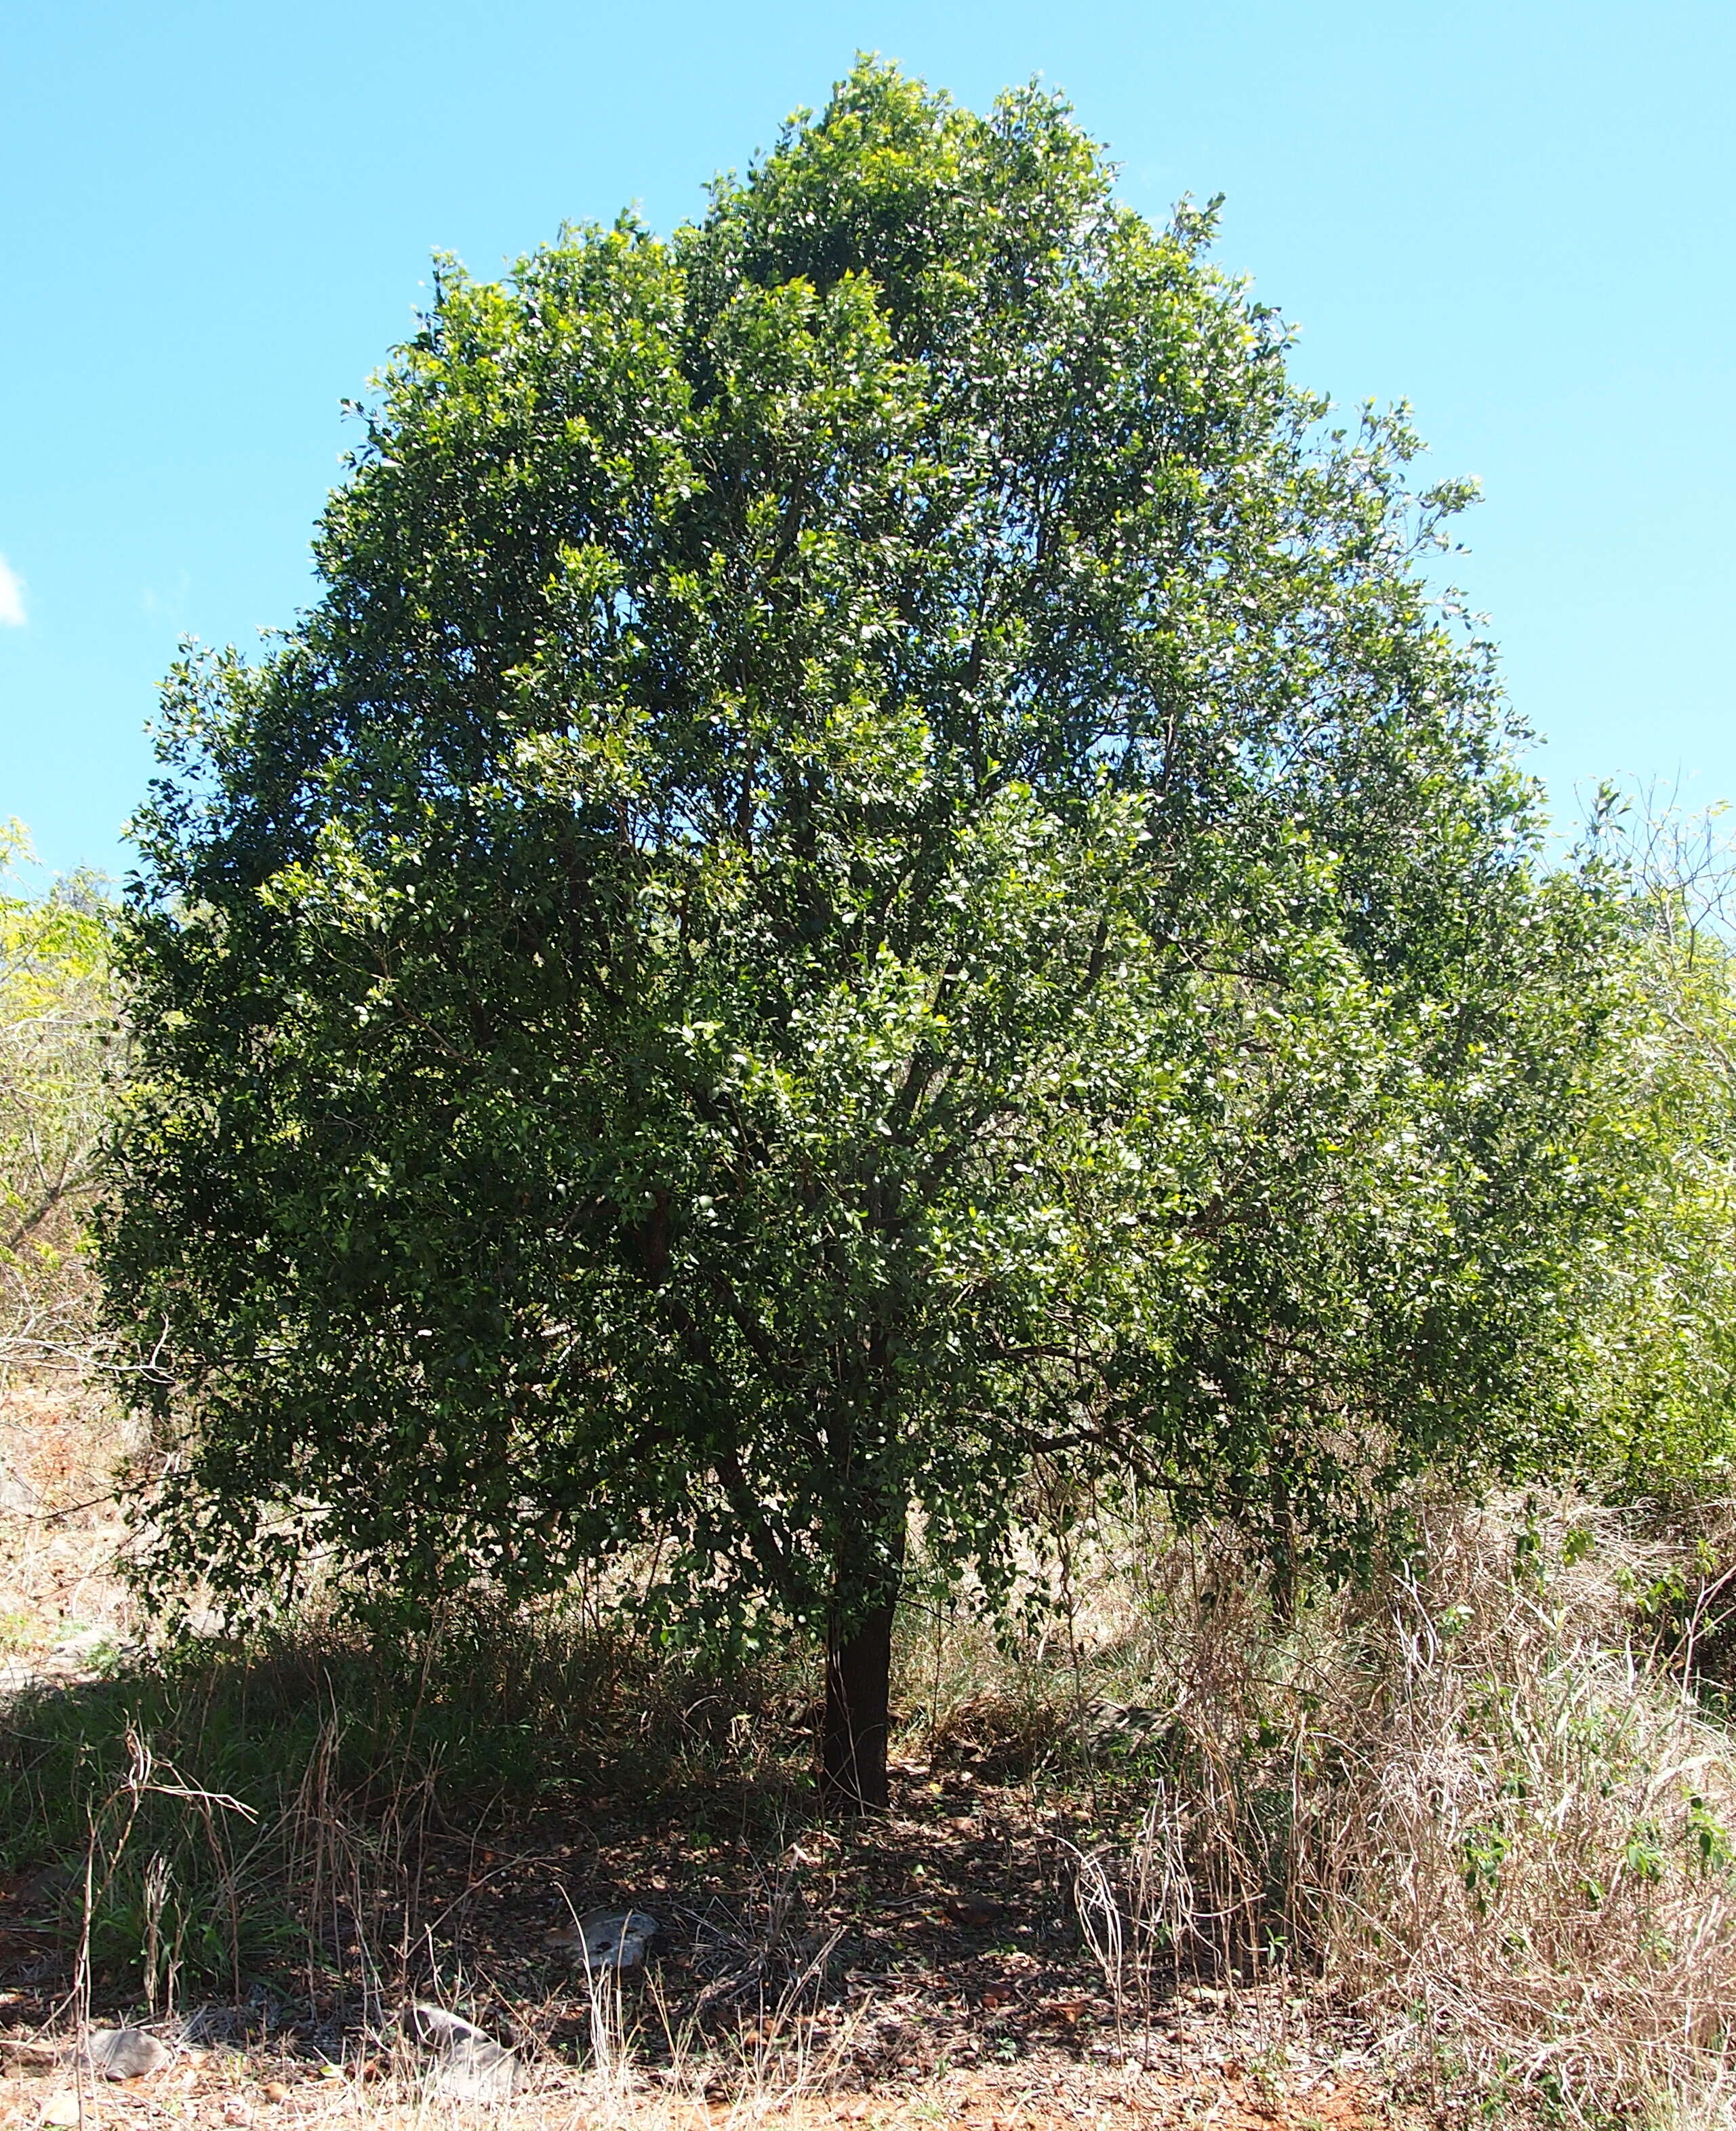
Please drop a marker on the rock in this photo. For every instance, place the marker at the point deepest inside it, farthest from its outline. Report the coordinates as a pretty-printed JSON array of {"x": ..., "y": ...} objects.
[
  {"x": 124, "y": 2053},
  {"x": 473, "y": 2066},
  {"x": 22, "y": 2051},
  {"x": 59, "y": 2109},
  {"x": 610, "y": 1938},
  {"x": 439, "y": 2029},
  {"x": 475, "y": 2069},
  {"x": 84, "y": 1643},
  {"x": 975, "y": 1911}
]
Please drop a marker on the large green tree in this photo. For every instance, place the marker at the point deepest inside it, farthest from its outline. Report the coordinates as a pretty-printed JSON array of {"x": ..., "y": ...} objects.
[{"x": 873, "y": 863}]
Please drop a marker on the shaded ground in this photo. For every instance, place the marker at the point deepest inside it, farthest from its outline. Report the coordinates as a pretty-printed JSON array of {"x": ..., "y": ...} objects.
[{"x": 929, "y": 1967}]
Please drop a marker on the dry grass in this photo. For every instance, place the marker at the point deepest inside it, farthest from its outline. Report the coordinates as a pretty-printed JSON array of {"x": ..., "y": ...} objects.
[
  {"x": 1530, "y": 1853},
  {"x": 62, "y": 1601},
  {"x": 1484, "y": 1802},
  {"x": 1245, "y": 2068},
  {"x": 1487, "y": 1804}
]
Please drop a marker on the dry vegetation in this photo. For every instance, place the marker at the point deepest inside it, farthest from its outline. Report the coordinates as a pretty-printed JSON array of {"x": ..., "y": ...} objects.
[
  {"x": 1486, "y": 1803},
  {"x": 1455, "y": 1843},
  {"x": 61, "y": 1601}
]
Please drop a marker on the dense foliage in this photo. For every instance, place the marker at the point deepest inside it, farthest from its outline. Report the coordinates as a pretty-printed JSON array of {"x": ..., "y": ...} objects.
[{"x": 873, "y": 863}]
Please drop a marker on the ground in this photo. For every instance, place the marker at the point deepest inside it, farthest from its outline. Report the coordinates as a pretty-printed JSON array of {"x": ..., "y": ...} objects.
[{"x": 928, "y": 1967}]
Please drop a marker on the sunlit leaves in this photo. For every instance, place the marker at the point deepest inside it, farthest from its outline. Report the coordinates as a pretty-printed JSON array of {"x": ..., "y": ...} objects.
[
  {"x": 873, "y": 863},
  {"x": 57, "y": 1033}
]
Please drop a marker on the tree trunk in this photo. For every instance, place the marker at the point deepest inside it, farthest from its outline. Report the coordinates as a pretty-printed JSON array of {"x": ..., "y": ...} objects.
[
  {"x": 858, "y": 1666},
  {"x": 859, "y": 1663}
]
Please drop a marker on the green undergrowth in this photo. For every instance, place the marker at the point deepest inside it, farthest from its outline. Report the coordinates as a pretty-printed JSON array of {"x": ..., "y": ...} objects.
[
  {"x": 224, "y": 1804},
  {"x": 243, "y": 1811}
]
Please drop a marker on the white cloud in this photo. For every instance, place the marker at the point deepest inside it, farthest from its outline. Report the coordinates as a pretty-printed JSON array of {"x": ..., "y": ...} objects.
[{"x": 12, "y": 596}]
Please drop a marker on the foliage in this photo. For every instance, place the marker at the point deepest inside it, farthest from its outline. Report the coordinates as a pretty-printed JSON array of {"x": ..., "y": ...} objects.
[
  {"x": 1657, "y": 1375},
  {"x": 874, "y": 862},
  {"x": 57, "y": 1030}
]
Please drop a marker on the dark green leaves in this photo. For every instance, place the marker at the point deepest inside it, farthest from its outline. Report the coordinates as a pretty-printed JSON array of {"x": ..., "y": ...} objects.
[{"x": 873, "y": 864}]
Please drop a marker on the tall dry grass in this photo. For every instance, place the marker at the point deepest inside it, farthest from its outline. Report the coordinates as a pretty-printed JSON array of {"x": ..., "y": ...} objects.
[
  {"x": 1523, "y": 1842},
  {"x": 1489, "y": 1801}
]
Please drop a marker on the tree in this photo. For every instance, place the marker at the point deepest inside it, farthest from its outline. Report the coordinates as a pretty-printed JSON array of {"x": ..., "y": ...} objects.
[
  {"x": 874, "y": 863},
  {"x": 1655, "y": 1373},
  {"x": 57, "y": 1033}
]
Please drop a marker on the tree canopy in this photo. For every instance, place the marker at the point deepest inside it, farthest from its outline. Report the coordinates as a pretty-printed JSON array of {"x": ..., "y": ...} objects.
[{"x": 874, "y": 863}]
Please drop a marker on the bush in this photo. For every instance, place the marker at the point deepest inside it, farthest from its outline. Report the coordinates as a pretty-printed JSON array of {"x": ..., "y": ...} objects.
[
  {"x": 1477, "y": 1799},
  {"x": 57, "y": 1033}
]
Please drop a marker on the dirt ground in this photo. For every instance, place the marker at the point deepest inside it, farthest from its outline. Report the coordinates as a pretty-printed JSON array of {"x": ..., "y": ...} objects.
[
  {"x": 925, "y": 1969},
  {"x": 61, "y": 1528},
  {"x": 928, "y": 1968},
  {"x": 257, "y": 2090}
]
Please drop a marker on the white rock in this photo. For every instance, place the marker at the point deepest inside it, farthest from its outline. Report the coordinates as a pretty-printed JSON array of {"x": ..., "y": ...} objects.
[
  {"x": 124, "y": 2053},
  {"x": 473, "y": 2066},
  {"x": 475, "y": 2069},
  {"x": 82, "y": 1642},
  {"x": 439, "y": 2028}
]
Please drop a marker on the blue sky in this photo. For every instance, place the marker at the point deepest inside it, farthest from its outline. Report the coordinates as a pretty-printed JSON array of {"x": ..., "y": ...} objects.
[{"x": 1519, "y": 216}]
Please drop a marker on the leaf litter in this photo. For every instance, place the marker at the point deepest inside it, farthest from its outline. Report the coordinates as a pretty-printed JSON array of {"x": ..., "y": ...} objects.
[{"x": 925, "y": 1968}]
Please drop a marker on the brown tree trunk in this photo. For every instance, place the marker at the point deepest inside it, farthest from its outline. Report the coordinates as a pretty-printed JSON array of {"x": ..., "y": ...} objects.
[{"x": 858, "y": 1667}]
